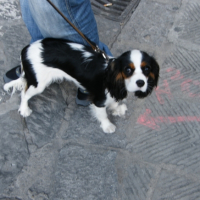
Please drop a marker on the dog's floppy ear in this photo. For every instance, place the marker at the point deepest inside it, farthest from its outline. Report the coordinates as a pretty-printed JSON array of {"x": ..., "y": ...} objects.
[
  {"x": 155, "y": 69},
  {"x": 115, "y": 80}
]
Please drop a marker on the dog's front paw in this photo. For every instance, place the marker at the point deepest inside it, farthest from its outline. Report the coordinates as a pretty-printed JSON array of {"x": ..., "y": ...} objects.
[
  {"x": 25, "y": 112},
  {"x": 108, "y": 127},
  {"x": 120, "y": 110}
]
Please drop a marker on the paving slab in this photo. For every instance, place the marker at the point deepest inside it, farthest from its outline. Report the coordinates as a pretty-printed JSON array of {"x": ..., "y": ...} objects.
[
  {"x": 12, "y": 159},
  {"x": 171, "y": 186},
  {"x": 60, "y": 152},
  {"x": 93, "y": 169}
]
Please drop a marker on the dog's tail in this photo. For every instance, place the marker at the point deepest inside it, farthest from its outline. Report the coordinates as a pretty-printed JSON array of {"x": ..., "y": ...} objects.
[{"x": 18, "y": 84}]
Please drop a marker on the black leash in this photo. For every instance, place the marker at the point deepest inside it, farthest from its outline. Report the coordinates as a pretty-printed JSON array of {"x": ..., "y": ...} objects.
[{"x": 92, "y": 44}]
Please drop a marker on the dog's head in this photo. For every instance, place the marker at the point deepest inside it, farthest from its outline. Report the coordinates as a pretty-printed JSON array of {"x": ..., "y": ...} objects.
[{"x": 134, "y": 71}]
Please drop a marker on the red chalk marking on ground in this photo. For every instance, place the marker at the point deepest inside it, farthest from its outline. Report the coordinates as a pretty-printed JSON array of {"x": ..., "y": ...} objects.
[
  {"x": 196, "y": 83},
  {"x": 177, "y": 75},
  {"x": 160, "y": 92},
  {"x": 152, "y": 122},
  {"x": 169, "y": 69},
  {"x": 185, "y": 87}
]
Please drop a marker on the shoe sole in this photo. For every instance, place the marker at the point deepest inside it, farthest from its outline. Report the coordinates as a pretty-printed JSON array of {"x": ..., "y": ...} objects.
[{"x": 6, "y": 79}]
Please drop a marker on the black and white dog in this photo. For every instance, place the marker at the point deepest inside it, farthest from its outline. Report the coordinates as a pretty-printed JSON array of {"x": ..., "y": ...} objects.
[{"x": 49, "y": 60}]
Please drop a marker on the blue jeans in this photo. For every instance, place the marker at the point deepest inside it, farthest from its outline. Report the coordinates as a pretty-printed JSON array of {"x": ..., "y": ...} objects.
[{"x": 43, "y": 21}]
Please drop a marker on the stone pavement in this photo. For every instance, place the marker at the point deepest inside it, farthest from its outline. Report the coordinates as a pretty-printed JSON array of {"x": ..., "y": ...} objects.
[{"x": 59, "y": 152}]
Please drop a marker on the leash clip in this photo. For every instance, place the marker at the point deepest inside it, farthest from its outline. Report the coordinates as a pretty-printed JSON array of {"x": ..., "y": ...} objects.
[{"x": 98, "y": 50}]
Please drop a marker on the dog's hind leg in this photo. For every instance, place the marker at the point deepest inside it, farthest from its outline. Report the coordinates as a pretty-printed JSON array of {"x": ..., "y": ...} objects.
[
  {"x": 24, "y": 110},
  {"x": 101, "y": 115}
]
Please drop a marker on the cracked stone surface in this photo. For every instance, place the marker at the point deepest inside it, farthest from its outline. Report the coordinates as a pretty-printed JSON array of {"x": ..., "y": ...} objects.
[
  {"x": 60, "y": 152},
  {"x": 94, "y": 170}
]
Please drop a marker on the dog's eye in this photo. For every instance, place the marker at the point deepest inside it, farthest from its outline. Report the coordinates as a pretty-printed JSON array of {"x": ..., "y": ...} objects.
[
  {"x": 128, "y": 70},
  {"x": 146, "y": 70}
]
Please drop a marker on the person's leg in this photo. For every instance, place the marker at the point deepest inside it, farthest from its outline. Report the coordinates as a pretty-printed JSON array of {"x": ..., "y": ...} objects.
[
  {"x": 43, "y": 21},
  {"x": 29, "y": 22},
  {"x": 51, "y": 24},
  {"x": 35, "y": 33},
  {"x": 79, "y": 12}
]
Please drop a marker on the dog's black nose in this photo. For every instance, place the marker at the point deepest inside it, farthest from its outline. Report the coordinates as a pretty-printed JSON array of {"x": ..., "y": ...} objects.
[{"x": 140, "y": 83}]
